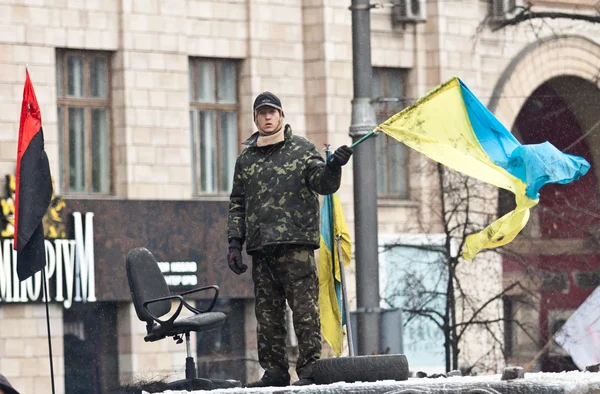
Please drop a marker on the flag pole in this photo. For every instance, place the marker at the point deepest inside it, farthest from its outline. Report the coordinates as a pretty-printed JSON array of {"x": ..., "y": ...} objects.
[
  {"x": 48, "y": 328},
  {"x": 329, "y": 200},
  {"x": 531, "y": 364},
  {"x": 354, "y": 145},
  {"x": 363, "y": 139},
  {"x": 338, "y": 239},
  {"x": 333, "y": 241},
  {"x": 38, "y": 195}
]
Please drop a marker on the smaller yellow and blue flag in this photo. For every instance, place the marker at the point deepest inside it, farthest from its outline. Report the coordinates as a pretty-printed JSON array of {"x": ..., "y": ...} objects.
[
  {"x": 330, "y": 286},
  {"x": 451, "y": 126}
]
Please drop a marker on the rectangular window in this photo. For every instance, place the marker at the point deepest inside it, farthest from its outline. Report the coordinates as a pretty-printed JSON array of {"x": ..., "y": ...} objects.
[
  {"x": 520, "y": 326},
  {"x": 415, "y": 278},
  {"x": 213, "y": 121},
  {"x": 83, "y": 97},
  {"x": 388, "y": 93}
]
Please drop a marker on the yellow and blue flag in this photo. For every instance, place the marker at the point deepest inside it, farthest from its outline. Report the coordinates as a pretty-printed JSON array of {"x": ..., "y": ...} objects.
[
  {"x": 330, "y": 289},
  {"x": 451, "y": 126}
]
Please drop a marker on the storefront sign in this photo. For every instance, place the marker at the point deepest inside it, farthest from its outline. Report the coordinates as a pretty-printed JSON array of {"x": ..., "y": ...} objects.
[
  {"x": 70, "y": 268},
  {"x": 180, "y": 273}
]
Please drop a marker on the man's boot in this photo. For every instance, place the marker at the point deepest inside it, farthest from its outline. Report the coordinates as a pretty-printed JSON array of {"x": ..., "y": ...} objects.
[
  {"x": 272, "y": 379},
  {"x": 304, "y": 382}
]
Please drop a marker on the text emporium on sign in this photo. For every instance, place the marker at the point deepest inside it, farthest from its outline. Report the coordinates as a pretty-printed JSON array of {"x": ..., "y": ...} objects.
[{"x": 69, "y": 269}]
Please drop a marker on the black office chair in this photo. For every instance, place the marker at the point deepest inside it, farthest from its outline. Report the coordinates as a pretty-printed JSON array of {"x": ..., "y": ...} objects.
[{"x": 152, "y": 300}]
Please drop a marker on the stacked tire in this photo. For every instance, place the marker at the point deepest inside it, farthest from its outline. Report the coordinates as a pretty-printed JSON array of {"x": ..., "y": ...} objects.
[{"x": 361, "y": 369}]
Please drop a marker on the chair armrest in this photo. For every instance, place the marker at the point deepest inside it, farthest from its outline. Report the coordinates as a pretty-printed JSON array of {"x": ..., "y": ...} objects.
[
  {"x": 215, "y": 288},
  {"x": 172, "y": 318}
]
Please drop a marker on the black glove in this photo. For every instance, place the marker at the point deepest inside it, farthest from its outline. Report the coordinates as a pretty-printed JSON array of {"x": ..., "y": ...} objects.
[
  {"x": 234, "y": 257},
  {"x": 340, "y": 157}
]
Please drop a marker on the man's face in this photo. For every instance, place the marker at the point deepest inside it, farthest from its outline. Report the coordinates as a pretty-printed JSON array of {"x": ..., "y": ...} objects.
[{"x": 267, "y": 119}]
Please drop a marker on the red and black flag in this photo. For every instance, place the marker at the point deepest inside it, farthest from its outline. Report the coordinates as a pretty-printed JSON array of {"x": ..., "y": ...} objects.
[{"x": 33, "y": 187}]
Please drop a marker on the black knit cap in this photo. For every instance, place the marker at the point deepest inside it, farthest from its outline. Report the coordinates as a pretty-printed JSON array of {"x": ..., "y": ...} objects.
[
  {"x": 267, "y": 99},
  {"x": 6, "y": 386}
]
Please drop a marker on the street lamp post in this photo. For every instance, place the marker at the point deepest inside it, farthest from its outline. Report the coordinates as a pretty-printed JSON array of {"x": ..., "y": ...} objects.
[{"x": 365, "y": 183}]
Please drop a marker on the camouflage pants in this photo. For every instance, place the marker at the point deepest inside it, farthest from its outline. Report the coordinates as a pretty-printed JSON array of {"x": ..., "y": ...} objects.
[{"x": 281, "y": 273}]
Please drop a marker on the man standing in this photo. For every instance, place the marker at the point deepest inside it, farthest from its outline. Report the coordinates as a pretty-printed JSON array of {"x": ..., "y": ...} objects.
[{"x": 274, "y": 209}]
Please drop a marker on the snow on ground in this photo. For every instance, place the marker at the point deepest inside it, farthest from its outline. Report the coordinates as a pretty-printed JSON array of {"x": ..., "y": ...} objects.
[{"x": 534, "y": 383}]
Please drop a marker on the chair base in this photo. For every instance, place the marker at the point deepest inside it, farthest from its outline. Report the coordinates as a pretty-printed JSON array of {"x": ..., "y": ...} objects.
[{"x": 203, "y": 384}]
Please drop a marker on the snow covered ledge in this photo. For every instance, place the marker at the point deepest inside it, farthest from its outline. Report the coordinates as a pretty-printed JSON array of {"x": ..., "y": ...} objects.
[{"x": 532, "y": 383}]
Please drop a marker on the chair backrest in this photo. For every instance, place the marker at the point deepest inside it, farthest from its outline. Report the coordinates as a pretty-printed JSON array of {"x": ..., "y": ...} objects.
[{"x": 146, "y": 282}]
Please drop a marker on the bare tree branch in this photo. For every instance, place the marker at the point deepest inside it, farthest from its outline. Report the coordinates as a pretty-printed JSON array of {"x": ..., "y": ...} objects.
[
  {"x": 479, "y": 322},
  {"x": 428, "y": 314},
  {"x": 427, "y": 248},
  {"x": 527, "y": 15},
  {"x": 523, "y": 328},
  {"x": 485, "y": 304},
  {"x": 437, "y": 290}
]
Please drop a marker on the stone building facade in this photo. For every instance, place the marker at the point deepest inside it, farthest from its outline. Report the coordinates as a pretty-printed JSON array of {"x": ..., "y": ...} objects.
[{"x": 149, "y": 100}]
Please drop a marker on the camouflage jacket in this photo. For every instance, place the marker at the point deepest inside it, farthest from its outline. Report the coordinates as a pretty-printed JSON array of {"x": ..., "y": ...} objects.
[{"x": 274, "y": 197}]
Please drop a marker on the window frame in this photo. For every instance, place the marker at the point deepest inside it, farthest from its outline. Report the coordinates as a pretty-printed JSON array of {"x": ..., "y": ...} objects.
[
  {"x": 87, "y": 103},
  {"x": 385, "y": 73},
  {"x": 196, "y": 106}
]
